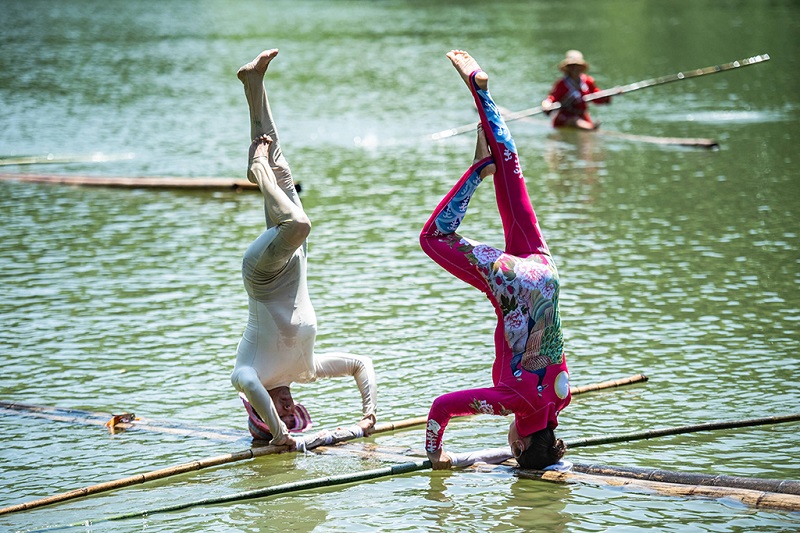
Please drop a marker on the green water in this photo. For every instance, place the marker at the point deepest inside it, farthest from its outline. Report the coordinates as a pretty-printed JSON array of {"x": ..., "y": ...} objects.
[{"x": 678, "y": 263}]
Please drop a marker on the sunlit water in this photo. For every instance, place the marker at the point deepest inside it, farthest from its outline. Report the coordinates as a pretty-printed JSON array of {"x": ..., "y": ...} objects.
[{"x": 675, "y": 262}]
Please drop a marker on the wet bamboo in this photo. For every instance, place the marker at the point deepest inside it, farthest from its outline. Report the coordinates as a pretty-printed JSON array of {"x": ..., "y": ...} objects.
[
  {"x": 339, "y": 435},
  {"x": 631, "y": 380},
  {"x": 662, "y": 432},
  {"x": 328, "y": 481},
  {"x": 784, "y": 486},
  {"x": 753, "y": 498}
]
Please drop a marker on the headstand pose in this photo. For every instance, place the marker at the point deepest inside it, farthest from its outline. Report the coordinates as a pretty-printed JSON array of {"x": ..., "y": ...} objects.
[
  {"x": 530, "y": 371},
  {"x": 277, "y": 347}
]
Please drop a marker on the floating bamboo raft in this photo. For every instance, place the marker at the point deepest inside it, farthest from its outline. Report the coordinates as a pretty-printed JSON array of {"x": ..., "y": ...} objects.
[{"x": 312, "y": 441}]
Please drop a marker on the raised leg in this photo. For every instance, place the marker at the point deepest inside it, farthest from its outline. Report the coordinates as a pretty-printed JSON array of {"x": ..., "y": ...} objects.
[
  {"x": 261, "y": 122},
  {"x": 522, "y": 234}
]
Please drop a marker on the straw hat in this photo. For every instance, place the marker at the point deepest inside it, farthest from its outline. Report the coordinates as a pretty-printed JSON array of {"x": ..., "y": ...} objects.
[{"x": 573, "y": 57}]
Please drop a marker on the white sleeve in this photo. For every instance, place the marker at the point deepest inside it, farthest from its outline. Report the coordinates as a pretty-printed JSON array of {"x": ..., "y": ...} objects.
[
  {"x": 492, "y": 456},
  {"x": 338, "y": 364}
]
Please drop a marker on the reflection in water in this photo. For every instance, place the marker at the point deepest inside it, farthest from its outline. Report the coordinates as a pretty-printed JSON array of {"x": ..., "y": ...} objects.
[{"x": 499, "y": 501}]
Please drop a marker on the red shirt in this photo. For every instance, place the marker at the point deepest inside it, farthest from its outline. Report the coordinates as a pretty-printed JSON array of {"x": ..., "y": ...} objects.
[{"x": 569, "y": 94}]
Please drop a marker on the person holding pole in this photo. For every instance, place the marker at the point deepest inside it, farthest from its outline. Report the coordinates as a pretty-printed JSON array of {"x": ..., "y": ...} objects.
[
  {"x": 529, "y": 373},
  {"x": 569, "y": 92},
  {"x": 277, "y": 346}
]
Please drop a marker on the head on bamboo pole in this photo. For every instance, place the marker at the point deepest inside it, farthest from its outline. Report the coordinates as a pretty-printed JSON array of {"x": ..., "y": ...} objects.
[{"x": 537, "y": 450}]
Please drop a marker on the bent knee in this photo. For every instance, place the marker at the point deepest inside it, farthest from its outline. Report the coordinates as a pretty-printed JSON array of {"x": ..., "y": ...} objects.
[
  {"x": 245, "y": 379},
  {"x": 298, "y": 228}
]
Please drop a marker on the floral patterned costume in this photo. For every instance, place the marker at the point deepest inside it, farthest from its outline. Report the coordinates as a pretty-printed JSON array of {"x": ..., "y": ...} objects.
[{"x": 530, "y": 370}]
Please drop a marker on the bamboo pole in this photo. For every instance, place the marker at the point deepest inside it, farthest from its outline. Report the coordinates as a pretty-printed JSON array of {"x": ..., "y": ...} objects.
[
  {"x": 783, "y": 486},
  {"x": 614, "y": 91},
  {"x": 321, "y": 438},
  {"x": 627, "y": 437},
  {"x": 311, "y": 442},
  {"x": 699, "y": 142},
  {"x": 328, "y": 481},
  {"x": 94, "y": 418},
  {"x": 749, "y": 496},
  {"x": 630, "y": 380},
  {"x": 753, "y": 498},
  {"x": 157, "y": 182},
  {"x": 398, "y": 454}
]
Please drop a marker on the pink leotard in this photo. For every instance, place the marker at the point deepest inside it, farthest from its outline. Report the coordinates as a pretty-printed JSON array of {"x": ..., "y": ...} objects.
[{"x": 529, "y": 374}]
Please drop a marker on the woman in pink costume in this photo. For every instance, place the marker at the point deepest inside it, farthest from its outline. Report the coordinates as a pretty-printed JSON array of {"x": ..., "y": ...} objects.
[{"x": 530, "y": 370}]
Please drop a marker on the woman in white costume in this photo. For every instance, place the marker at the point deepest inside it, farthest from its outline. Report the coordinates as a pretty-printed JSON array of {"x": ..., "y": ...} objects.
[{"x": 277, "y": 347}]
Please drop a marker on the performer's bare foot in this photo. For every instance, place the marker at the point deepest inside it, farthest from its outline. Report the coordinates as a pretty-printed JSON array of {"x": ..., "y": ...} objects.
[
  {"x": 465, "y": 65},
  {"x": 260, "y": 147},
  {"x": 482, "y": 151},
  {"x": 258, "y": 65}
]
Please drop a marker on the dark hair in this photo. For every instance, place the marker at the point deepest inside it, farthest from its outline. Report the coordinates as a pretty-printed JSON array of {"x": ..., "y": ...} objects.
[{"x": 543, "y": 450}]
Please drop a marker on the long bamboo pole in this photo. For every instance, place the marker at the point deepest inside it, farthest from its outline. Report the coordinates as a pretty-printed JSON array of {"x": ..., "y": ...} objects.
[
  {"x": 662, "y": 432},
  {"x": 94, "y": 418},
  {"x": 652, "y": 82},
  {"x": 610, "y": 384},
  {"x": 252, "y": 453},
  {"x": 784, "y": 486},
  {"x": 753, "y": 495},
  {"x": 753, "y": 498},
  {"x": 311, "y": 442},
  {"x": 328, "y": 481},
  {"x": 150, "y": 182}
]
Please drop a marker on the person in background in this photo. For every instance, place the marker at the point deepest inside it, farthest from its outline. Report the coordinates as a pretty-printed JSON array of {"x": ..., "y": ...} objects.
[
  {"x": 569, "y": 92},
  {"x": 529, "y": 373},
  {"x": 277, "y": 346}
]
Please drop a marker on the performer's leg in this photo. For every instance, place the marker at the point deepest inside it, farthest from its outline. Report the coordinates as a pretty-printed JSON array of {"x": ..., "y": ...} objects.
[
  {"x": 439, "y": 239},
  {"x": 288, "y": 225},
  {"x": 261, "y": 121},
  {"x": 522, "y": 234},
  {"x": 283, "y": 211}
]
